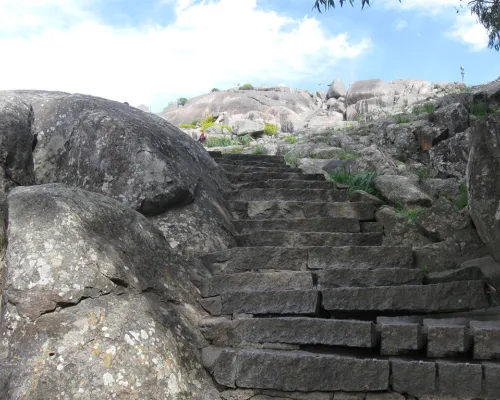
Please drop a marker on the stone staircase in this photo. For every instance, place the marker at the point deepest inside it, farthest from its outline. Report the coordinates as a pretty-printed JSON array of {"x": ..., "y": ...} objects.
[{"x": 310, "y": 305}]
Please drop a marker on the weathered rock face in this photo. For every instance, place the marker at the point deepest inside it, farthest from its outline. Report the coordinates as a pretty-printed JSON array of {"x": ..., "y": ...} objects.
[
  {"x": 137, "y": 158},
  {"x": 336, "y": 90},
  {"x": 401, "y": 189},
  {"x": 97, "y": 305},
  {"x": 484, "y": 181},
  {"x": 248, "y": 127}
]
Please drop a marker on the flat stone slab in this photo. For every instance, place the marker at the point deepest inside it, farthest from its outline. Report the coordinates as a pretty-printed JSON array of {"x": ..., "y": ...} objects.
[
  {"x": 462, "y": 380},
  {"x": 242, "y": 259},
  {"x": 259, "y": 281},
  {"x": 317, "y": 195},
  {"x": 270, "y": 302},
  {"x": 298, "y": 224},
  {"x": 289, "y": 184},
  {"x": 413, "y": 377},
  {"x": 446, "y": 337},
  {"x": 442, "y": 297},
  {"x": 400, "y": 338},
  {"x": 486, "y": 339},
  {"x": 264, "y": 176},
  {"x": 314, "y": 331},
  {"x": 365, "y": 257},
  {"x": 347, "y": 277},
  {"x": 301, "y": 209},
  {"x": 243, "y": 168},
  {"x": 300, "y": 371},
  {"x": 251, "y": 157},
  {"x": 301, "y": 239}
]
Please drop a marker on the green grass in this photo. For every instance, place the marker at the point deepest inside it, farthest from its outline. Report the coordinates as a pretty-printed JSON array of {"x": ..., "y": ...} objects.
[
  {"x": 188, "y": 126},
  {"x": 290, "y": 139},
  {"x": 346, "y": 155},
  {"x": 401, "y": 119},
  {"x": 259, "y": 150},
  {"x": 246, "y": 86},
  {"x": 426, "y": 108},
  {"x": 221, "y": 142},
  {"x": 270, "y": 129},
  {"x": 480, "y": 110},
  {"x": 207, "y": 123},
  {"x": 356, "y": 181},
  {"x": 462, "y": 200},
  {"x": 411, "y": 214},
  {"x": 196, "y": 122},
  {"x": 225, "y": 127},
  {"x": 291, "y": 160},
  {"x": 244, "y": 140},
  {"x": 423, "y": 173}
]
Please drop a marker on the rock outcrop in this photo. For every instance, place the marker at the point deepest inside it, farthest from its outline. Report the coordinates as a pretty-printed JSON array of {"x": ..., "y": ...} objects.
[{"x": 96, "y": 303}]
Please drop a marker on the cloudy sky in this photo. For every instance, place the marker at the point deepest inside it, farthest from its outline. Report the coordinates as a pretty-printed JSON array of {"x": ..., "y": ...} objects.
[{"x": 153, "y": 51}]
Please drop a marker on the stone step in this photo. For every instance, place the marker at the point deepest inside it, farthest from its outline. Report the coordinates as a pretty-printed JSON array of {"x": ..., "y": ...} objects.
[
  {"x": 282, "y": 302},
  {"x": 301, "y": 209},
  {"x": 264, "y": 176},
  {"x": 256, "y": 281},
  {"x": 250, "y": 157},
  {"x": 315, "y": 195},
  {"x": 298, "y": 225},
  {"x": 241, "y": 259},
  {"x": 288, "y": 184},
  {"x": 442, "y": 297},
  {"x": 302, "y": 239},
  {"x": 227, "y": 161},
  {"x": 297, "y": 371},
  {"x": 352, "y": 277},
  {"x": 245, "y": 169},
  {"x": 289, "y": 330}
]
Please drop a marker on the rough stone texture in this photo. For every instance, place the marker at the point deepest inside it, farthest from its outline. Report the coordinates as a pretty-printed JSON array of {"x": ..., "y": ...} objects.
[
  {"x": 483, "y": 181},
  {"x": 360, "y": 196},
  {"x": 459, "y": 379},
  {"x": 349, "y": 333},
  {"x": 134, "y": 157},
  {"x": 446, "y": 337},
  {"x": 270, "y": 302},
  {"x": 491, "y": 383},
  {"x": 441, "y": 187},
  {"x": 388, "y": 217},
  {"x": 401, "y": 189},
  {"x": 454, "y": 117},
  {"x": 444, "y": 297},
  {"x": 366, "y": 89},
  {"x": 291, "y": 371},
  {"x": 400, "y": 338},
  {"x": 489, "y": 268},
  {"x": 486, "y": 339},
  {"x": 413, "y": 377},
  {"x": 365, "y": 257},
  {"x": 299, "y": 224},
  {"x": 260, "y": 281},
  {"x": 349, "y": 396},
  {"x": 96, "y": 302},
  {"x": 450, "y": 156},
  {"x": 244, "y": 127},
  {"x": 384, "y": 396},
  {"x": 460, "y": 274},
  {"x": 348, "y": 277},
  {"x": 249, "y": 394}
]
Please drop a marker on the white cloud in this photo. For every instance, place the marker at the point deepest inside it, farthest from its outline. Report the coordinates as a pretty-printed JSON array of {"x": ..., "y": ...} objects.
[
  {"x": 210, "y": 44},
  {"x": 466, "y": 29},
  {"x": 432, "y": 7},
  {"x": 400, "y": 24}
]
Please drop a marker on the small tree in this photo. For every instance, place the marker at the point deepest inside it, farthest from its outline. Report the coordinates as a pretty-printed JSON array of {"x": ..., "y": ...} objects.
[
  {"x": 181, "y": 101},
  {"x": 215, "y": 90},
  {"x": 246, "y": 86},
  {"x": 486, "y": 11}
]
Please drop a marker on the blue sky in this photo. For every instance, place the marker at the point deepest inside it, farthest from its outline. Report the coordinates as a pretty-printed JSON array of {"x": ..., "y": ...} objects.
[{"x": 154, "y": 51}]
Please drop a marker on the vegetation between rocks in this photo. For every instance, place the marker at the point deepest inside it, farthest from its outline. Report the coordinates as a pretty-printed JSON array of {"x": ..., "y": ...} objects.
[
  {"x": 356, "y": 180},
  {"x": 188, "y": 126},
  {"x": 426, "y": 108},
  {"x": 401, "y": 119},
  {"x": 270, "y": 129},
  {"x": 290, "y": 139},
  {"x": 246, "y": 86},
  {"x": 221, "y": 141},
  {"x": 260, "y": 150}
]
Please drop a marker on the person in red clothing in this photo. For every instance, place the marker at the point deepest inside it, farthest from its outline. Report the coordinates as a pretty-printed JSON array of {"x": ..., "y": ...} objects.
[{"x": 202, "y": 137}]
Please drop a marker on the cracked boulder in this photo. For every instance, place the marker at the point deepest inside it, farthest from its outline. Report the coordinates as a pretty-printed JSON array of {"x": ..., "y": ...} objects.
[
  {"x": 134, "y": 157},
  {"x": 96, "y": 305}
]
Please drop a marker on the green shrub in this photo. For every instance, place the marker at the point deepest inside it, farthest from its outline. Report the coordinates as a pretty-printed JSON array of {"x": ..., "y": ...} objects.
[
  {"x": 244, "y": 140},
  {"x": 411, "y": 214},
  {"x": 290, "y": 139},
  {"x": 270, "y": 129},
  {"x": 462, "y": 200},
  {"x": 426, "y": 108},
  {"x": 188, "y": 126},
  {"x": 356, "y": 180},
  {"x": 346, "y": 155},
  {"x": 246, "y": 86},
  {"x": 401, "y": 119},
  {"x": 259, "y": 150},
  {"x": 207, "y": 123},
  {"x": 196, "y": 122},
  {"x": 215, "y": 90},
  {"x": 480, "y": 110},
  {"x": 182, "y": 100},
  {"x": 220, "y": 142},
  {"x": 423, "y": 173},
  {"x": 291, "y": 159}
]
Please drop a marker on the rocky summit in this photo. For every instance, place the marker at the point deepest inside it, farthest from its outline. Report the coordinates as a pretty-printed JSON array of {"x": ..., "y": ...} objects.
[{"x": 317, "y": 246}]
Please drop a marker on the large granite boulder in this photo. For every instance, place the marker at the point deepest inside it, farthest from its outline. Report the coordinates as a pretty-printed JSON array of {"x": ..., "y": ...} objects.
[
  {"x": 244, "y": 127},
  {"x": 134, "y": 157},
  {"x": 453, "y": 117},
  {"x": 97, "y": 306},
  {"x": 366, "y": 89},
  {"x": 336, "y": 90},
  {"x": 483, "y": 181},
  {"x": 401, "y": 190}
]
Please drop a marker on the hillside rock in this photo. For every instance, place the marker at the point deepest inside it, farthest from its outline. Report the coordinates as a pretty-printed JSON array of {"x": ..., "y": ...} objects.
[
  {"x": 336, "y": 90},
  {"x": 97, "y": 306},
  {"x": 136, "y": 158},
  {"x": 366, "y": 89},
  {"x": 247, "y": 127},
  {"x": 401, "y": 189},
  {"x": 454, "y": 117},
  {"x": 483, "y": 181}
]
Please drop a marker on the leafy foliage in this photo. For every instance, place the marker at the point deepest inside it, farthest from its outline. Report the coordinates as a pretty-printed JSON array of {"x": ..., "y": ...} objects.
[
  {"x": 356, "y": 180},
  {"x": 270, "y": 129},
  {"x": 215, "y": 90},
  {"x": 182, "y": 101},
  {"x": 246, "y": 86},
  {"x": 462, "y": 200},
  {"x": 486, "y": 11},
  {"x": 480, "y": 110},
  {"x": 411, "y": 214},
  {"x": 196, "y": 122},
  {"x": 187, "y": 126},
  {"x": 221, "y": 141},
  {"x": 290, "y": 139},
  {"x": 260, "y": 150},
  {"x": 244, "y": 140},
  {"x": 207, "y": 123}
]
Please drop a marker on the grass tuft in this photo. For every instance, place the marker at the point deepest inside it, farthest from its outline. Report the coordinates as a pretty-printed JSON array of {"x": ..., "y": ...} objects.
[{"x": 356, "y": 181}]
